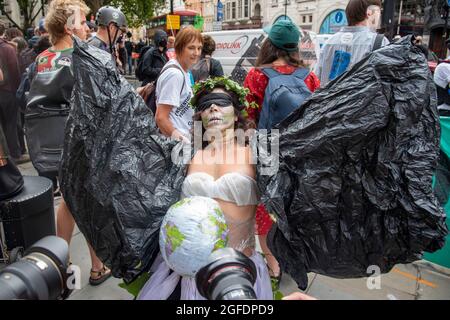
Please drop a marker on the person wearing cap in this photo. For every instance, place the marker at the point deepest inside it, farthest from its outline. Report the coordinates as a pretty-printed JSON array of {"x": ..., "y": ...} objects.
[
  {"x": 353, "y": 42},
  {"x": 279, "y": 51},
  {"x": 111, "y": 23}
]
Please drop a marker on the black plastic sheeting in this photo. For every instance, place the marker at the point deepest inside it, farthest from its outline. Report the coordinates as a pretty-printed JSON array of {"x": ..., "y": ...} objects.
[
  {"x": 353, "y": 189},
  {"x": 354, "y": 186},
  {"x": 117, "y": 175}
]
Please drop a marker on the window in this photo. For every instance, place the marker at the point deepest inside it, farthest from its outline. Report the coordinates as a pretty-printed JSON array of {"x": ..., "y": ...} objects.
[
  {"x": 246, "y": 8},
  {"x": 310, "y": 19},
  {"x": 257, "y": 12},
  {"x": 228, "y": 15},
  {"x": 239, "y": 9},
  {"x": 233, "y": 10},
  {"x": 303, "y": 19},
  {"x": 274, "y": 3}
]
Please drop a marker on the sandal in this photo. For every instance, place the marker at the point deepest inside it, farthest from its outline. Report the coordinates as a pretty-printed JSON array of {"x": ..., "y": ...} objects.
[{"x": 98, "y": 277}]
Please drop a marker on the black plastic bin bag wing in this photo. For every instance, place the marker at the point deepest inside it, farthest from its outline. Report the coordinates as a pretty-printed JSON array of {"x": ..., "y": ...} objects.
[
  {"x": 354, "y": 185},
  {"x": 117, "y": 175}
]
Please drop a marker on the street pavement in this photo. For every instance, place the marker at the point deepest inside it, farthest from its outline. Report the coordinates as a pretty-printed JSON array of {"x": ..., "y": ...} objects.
[{"x": 421, "y": 280}]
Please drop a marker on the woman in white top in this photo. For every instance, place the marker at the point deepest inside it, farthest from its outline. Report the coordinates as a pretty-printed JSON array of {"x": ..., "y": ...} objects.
[
  {"x": 222, "y": 169},
  {"x": 173, "y": 88}
]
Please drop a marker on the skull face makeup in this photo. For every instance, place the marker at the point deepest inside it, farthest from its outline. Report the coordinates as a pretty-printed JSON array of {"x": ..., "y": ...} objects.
[{"x": 217, "y": 111}]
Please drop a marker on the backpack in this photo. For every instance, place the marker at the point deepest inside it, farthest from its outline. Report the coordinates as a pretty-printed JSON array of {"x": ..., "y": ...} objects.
[
  {"x": 202, "y": 69},
  {"x": 27, "y": 57},
  {"x": 284, "y": 94},
  {"x": 46, "y": 113},
  {"x": 378, "y": 41},
  {"x": 138, "y": 71},
  {"x": 148, "y": 93}
]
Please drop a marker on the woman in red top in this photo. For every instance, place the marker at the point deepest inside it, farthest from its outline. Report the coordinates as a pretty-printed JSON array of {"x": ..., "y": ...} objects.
[{"x": 279, "y": 51}]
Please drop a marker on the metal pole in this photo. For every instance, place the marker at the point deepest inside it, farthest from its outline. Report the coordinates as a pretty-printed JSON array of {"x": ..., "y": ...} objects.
[
  {"x": 446, "y": 20},
  {"x": 285, "y": 9},
  {"x": 446, "y": 11},
  {"x": 171, "y": 6},
  {"x": 400, "y": 16}
]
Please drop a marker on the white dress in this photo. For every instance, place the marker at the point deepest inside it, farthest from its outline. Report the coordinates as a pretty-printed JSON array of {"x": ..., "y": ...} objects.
[{"x": 233, "y": 187}]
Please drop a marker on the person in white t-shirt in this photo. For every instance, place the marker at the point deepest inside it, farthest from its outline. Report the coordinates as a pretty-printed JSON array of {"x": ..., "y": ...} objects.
[{"x": 173, "y": 90}]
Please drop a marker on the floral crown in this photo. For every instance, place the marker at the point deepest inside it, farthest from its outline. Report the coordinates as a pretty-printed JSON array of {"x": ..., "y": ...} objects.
[{"x": 229, "y": 85}]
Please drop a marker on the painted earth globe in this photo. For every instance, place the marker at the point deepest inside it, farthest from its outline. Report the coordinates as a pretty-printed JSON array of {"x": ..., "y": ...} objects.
[{"x": 191, "y": 230}]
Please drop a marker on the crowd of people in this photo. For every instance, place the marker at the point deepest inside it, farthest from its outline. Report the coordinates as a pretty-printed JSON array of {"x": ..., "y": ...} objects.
[{"x": 169, "y": 70}]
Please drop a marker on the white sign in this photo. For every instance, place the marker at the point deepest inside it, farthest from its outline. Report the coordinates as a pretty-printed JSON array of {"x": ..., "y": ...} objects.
[{"x": 217, "y": 26}]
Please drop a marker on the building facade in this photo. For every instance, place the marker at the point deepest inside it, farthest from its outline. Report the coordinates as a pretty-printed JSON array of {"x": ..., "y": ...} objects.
[
  {"x": 307, "y": 14},
  {"x": 13, "y": 10},
  {"x": 241, "y": 14}
]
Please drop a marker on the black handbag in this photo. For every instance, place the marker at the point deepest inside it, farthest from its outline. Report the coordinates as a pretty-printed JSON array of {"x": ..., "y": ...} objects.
[
  {"x": 45, "y": 118},
  {"x": 11, "y": 180}
]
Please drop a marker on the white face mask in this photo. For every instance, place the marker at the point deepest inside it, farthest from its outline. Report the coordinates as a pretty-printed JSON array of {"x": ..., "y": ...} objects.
[{"x": 374, "y": 17}]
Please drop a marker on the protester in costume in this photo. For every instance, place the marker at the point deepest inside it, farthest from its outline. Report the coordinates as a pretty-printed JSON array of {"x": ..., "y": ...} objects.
[{"x": 232, "y": 183}]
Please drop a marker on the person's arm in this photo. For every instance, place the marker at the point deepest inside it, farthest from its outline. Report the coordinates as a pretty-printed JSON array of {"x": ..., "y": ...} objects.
[
  {"x": 312, "y": 82},
  {"x": 252, "y": 81},
  {"x": 164, "y": 124}
]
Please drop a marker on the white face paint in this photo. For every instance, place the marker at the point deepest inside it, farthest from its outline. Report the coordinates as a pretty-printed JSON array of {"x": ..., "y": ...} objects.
[
  {"x": 374, "y": 17},
  {"x": 219, "y": 118}
]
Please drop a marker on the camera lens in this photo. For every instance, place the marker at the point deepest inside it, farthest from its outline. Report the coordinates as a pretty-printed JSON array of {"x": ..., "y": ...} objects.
[
  {"x": 228, "y": 275},
  {"x": 40, "y": 275}
]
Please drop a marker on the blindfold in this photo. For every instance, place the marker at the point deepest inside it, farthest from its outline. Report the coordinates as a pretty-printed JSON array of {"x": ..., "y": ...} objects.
[{"x": 219, "y": 99}]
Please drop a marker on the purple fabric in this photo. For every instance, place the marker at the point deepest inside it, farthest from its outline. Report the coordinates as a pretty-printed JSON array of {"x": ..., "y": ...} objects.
[{"x": 161, "y": 285}]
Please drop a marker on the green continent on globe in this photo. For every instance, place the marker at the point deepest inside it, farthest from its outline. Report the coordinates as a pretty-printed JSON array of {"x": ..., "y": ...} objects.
[
  {"x": 221, "y": 231},
  {"x": 174, "y": 236},
  {"x": 181, "y": 202}
]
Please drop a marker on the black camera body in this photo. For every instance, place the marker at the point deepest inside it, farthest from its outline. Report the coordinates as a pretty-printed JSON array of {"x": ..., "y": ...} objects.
[{"x": 228, "y": 275}]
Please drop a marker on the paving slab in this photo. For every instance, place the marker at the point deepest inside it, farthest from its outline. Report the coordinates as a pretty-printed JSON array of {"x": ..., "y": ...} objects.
[{"x": 327, "y": 288}]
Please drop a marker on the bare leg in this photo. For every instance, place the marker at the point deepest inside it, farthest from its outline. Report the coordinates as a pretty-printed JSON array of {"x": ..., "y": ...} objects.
[
  {"x": 64, "y": 222},
  {"x": 65, "y": 225},
  {"x": 274, "y": 268},
  {"x": 97, "y": 265}
]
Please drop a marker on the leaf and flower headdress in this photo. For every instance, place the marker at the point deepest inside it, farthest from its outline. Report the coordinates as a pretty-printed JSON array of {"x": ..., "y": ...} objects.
[{"x": 229, "y": 85}]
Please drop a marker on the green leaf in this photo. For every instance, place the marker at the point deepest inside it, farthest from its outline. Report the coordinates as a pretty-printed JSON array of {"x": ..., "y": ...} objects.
[
  {"x": 277, "y": 295},
  {"x": 136, "y": 286}
]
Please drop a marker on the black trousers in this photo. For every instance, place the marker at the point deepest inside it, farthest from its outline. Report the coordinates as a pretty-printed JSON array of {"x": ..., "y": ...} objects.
[
  {"x": 21, "y": 132},
  {"x": 8, "y": 118}
]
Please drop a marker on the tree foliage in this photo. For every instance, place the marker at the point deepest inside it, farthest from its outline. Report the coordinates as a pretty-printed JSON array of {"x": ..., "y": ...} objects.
[
  {"x": 29, "y": 9},
  {"x": 138, "y": 12}
]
